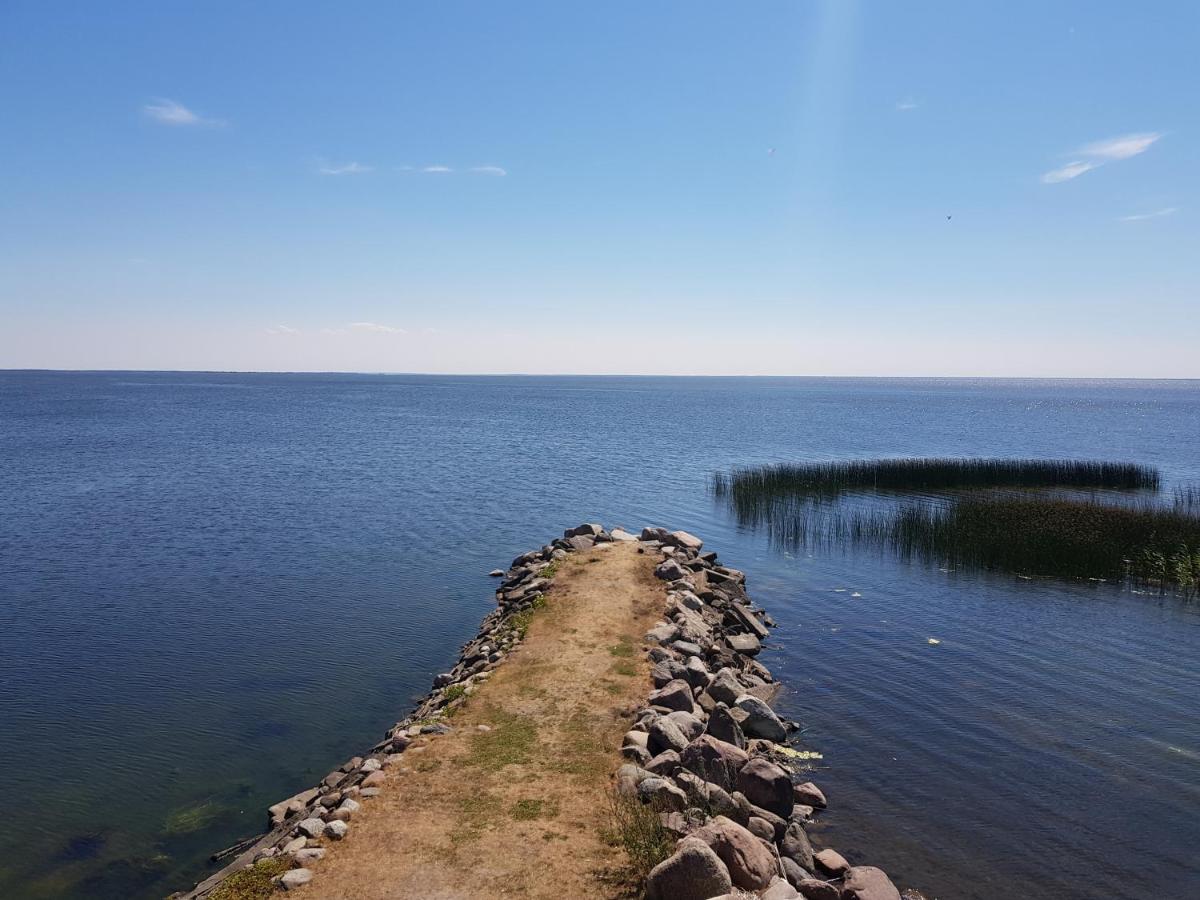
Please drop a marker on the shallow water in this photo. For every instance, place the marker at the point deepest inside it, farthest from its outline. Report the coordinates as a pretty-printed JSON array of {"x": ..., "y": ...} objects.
[{"x": 213, "y": 588}]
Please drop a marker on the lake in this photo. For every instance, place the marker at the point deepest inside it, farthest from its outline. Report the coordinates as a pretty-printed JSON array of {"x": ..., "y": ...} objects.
[{"x": 214, "y": 588}]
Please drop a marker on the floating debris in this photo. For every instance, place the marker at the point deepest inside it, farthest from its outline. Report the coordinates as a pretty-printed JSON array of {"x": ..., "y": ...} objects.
[
  {"x": 856, "y": 594},
  {"x": 934, "y": 641}
]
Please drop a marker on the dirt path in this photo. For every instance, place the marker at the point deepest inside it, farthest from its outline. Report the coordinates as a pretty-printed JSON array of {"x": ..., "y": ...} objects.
[{"x": 519, "y": 810}]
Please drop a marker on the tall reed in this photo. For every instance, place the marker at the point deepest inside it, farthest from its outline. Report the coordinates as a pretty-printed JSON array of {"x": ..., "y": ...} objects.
[{"x": 770, "y": 482}]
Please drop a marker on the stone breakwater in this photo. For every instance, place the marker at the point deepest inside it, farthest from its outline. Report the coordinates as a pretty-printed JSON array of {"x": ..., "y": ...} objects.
[{"x": 707, "y": 755}]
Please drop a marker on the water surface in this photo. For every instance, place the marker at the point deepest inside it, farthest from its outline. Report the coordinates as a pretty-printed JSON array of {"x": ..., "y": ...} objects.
[{"x": 213, "y": 588}]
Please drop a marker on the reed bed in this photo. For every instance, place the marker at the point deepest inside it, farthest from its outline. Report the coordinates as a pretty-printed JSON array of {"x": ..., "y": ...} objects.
[{"x": 750, "y": 487}]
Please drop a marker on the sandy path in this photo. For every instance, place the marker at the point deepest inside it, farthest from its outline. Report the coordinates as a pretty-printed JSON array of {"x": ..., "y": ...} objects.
[{"x": 517, "y": 811}]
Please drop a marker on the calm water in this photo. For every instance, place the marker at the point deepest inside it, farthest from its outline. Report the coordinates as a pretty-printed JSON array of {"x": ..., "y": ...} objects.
[{"x": 214, "y": 587}]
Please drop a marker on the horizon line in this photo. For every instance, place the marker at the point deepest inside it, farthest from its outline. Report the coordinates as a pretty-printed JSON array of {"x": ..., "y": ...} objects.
[{"x": 4, "y": 370}]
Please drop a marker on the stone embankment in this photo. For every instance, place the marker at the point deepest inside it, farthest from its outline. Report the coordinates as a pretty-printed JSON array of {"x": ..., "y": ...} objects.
[{"x": 705, "y": 751}]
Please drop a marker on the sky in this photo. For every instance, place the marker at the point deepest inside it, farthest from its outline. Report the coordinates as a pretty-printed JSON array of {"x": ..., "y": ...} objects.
[{"x": 810, "y": 187}]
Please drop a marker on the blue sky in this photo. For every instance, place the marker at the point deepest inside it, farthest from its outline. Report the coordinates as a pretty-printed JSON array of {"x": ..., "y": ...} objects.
[{"x": 668, "y": 187}]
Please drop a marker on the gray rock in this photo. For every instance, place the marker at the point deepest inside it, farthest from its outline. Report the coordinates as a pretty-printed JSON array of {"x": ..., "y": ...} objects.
[
  {"x": 662, "y": 633},
  {"x": 815, "y": 889},
  {"x": 688, "y": 648},
  {"x": 767, "y": 785},
  {"x": 689, "y": 723},
  {"x": 725, "y": 687},
  {"x": 674, "y": 695},
  {"x": 298, "y": 843},
  {"x": 636, "y": 739},
  {"x": 581, "y": 543},
  {"x": 336, "y": 830},
  {"x": 685, "y": 540},
  {"x": 809, "y": 795},
  {"x": 661, "y": 794},
  {"x": 665, "y": 734},
  {"x": 694, "y": 872},
  {"x": 745, "y": 643},
  {"x": 796, "y": 874},
  {"x": 666, "y": 671},
  {"x": 588, "y": 529},
  {"x": 761, "y": 829},
  {"x": 666, "y": 763},
  {"x": 311, "y": 827},
  {"x": 779, "y": 890},
  {"x": 724, "y": 727},
  {"x": 621, "y": 536},
  {"x": 751, "y": 865},
  {"x": 796, "y": 847},
  {"x": 308, "y": 854},
  {"x": 295, "y": 878},
  {"x": 760, "y": 720},
  {"x": 831, "y": 861},
  {"x": 714, "y": 760},
  {"x": 669, "y": 570},
  {"x": 696, "y": 673},
  {"x": 867, "y": 883}
]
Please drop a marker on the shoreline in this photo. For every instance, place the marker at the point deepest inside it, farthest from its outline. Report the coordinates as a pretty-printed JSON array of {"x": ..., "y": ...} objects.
[{"x": 702, "y": 749}]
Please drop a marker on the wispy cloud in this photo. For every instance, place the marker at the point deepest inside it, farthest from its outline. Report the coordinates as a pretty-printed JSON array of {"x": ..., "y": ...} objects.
[
  {"x": 489, "y": 170},
  {"x": 1121, "y": 147},
  {"x": 169, "y": 112},
  {"x": 1098, "y": 153},
  {"x": 906, "y": 104},
  {"x": 351, "y": 168},
  {"x": 282, "y": 330},
  {"x": 1157, "y": 214},
  {"x": 374, "y": 328},
  {"x": 1069, "y": 171},
  {"x": 436, "y": 170}
]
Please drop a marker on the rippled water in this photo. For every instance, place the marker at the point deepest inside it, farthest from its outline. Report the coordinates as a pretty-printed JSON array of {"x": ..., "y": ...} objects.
[{"x": 214, "y": 587}]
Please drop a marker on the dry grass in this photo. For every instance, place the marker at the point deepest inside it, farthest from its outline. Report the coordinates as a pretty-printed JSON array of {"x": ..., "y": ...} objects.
[{"x": 482, "y": 814}]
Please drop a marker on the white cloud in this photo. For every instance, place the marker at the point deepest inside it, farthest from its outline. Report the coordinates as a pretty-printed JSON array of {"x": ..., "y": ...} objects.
[
  {"x": 1069, "y": 171},
  {"x": 352, "y": 168},
  {"x": 374, "y": 328},
  {"x": 1100, "y": 152},
  {"x": 1157, "y": 214},
  {"x": 169, "y": 112},
  {"x": 906, "y": 104},
  {"x": 282, "y": 330},
  {"x": 437, "y": 170},
  {"x": 1121, "y": 147},
  {"x": 489, "y": 170}
]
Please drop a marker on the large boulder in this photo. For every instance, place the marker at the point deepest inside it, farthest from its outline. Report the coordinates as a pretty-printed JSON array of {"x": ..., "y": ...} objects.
[
  {"x": 815, "y": 889},
  {"x": 767, "y": 785},
  {"x": 665, "y": 734},
  {"x": 662, "y": 794},
  {"x": 751, "y": 865},
  {"x": 694, "y": 872},
  {"x": 685, "y": 540},
  {"x": 780, "y": 890},
  {"x": 832, "y": 861},
  {"x": 796, "y": 847},
  {"x": 808, "y": 794},
  {"x": 724, "y": 727},
  {"x": 674, "y": 695},
  {"x": 725, "y": 687},
  {"x": 667, "y": 670},
  {"x": 865, "y": 883},
  {"x": 691, "y": 725},
  {"x": 669, "y": 570},
  {"x": 760, "y": 720},
  {"x": 714, "y": 760}
]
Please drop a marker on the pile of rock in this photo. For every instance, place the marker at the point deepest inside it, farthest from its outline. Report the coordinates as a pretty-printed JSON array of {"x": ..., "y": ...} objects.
[{"x": 710, "y": 754}]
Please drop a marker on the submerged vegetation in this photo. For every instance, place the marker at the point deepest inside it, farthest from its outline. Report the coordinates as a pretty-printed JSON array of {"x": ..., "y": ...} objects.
[
  {"x": 1047, "y": 536},
  {"x": 771, "y": 482},
  {"x": 987, "y": 513}
]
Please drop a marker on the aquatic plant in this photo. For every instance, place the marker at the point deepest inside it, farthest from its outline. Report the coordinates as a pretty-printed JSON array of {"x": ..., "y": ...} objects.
[
  {"x": 749, "y": 486},
  {"x": 1046, "y": 536}
]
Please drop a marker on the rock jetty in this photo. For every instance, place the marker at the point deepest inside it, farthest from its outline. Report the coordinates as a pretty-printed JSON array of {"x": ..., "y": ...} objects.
[{"x": 705, "y": 753}]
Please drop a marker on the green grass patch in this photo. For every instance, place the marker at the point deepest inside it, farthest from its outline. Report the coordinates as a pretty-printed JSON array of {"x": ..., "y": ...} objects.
[
  {"x": 623, "y": 648},
  {"x": 624, "y": 667},
  {"x": 528, "y": 810},
  {"x": 511, "y": 741},
  {"x": 254, "y": 882}
]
